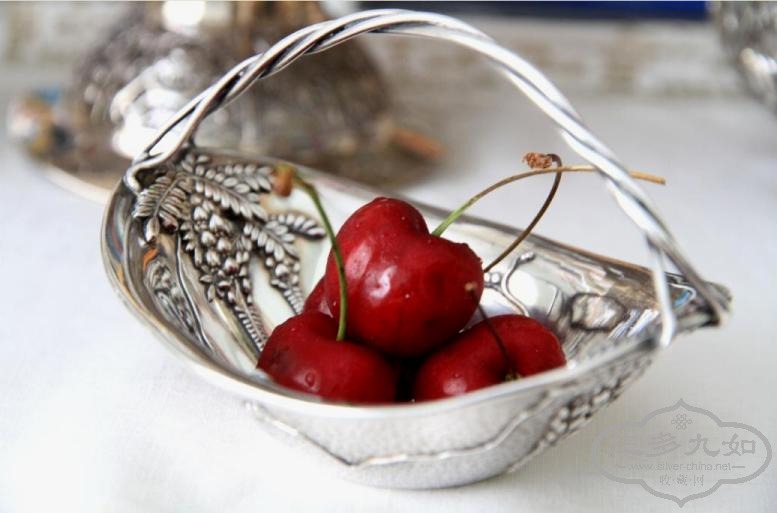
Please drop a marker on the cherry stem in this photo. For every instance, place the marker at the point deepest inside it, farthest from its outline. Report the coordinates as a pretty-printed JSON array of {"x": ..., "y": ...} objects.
[
  {"x": 550, "y": 158},
  {"x": 512, "y": 373},
  {"x": 453, "y": 216},
  {"x": 338, "y": 256},
  {"x": 526, "y": 231}
]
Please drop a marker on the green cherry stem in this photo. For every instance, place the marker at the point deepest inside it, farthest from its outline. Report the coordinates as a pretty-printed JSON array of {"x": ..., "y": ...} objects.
[
  {"x": 284, "y": 174},
  {"x": 453, "y": 216},
  {"x": 338, "y": 255}
]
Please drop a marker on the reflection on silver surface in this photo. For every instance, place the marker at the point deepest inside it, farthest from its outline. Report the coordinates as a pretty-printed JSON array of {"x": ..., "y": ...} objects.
[
  {"x": 596, "y": 312},
  {"x": 749, "y": 33},
  {"x": 334, "y": 112},
  {"x": 229, "y": 288}
]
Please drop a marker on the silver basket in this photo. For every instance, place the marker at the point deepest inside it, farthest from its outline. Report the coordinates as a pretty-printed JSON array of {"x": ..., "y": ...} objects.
[{"x": 201, "y": 250}]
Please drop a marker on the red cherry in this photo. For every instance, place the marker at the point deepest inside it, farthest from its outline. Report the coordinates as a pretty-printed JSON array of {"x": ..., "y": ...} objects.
[
  {"x": 474, "y": 359},
  {"x": 303, "y": 354},
  {"x": 407, "y": 289},
  {"x": 316, "y": 301}
]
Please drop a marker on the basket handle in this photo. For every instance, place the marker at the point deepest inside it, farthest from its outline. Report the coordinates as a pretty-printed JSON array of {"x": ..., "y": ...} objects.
[{"x": 538, "y": 88}]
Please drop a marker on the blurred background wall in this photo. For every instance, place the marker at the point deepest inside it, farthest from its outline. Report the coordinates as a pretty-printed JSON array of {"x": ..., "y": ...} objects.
[{"x": 630, "y": 52}]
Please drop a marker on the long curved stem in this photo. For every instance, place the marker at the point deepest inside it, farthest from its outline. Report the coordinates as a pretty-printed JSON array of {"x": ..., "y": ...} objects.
[
  {"x": 454, "y": 215},
  {"x": 526, "y": 231},
  {"x": 338, "y": 256}
]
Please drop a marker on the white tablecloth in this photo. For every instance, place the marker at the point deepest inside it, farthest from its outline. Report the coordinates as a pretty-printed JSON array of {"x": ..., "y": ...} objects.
[{"x": 96, "y": 416}]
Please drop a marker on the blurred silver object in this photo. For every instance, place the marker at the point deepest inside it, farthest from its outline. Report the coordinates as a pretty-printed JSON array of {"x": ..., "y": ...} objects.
[
  {"x": 333, "y": 113},
  {"x": 200, "y": 249},
  {"x": 749, "y": 34}
]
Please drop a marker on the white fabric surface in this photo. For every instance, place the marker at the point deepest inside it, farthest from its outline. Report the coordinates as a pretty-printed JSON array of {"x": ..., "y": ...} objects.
[{"x": 96, "y": 416}]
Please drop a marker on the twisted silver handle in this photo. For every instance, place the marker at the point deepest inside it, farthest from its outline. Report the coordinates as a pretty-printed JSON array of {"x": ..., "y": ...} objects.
[{"x": 322, "y": 36}]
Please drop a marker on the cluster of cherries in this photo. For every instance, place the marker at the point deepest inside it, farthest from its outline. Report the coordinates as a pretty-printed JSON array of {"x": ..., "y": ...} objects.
[{"x": 403, "y": 297}]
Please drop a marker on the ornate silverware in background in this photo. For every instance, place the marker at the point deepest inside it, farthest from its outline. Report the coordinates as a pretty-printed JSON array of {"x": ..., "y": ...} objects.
[
  {"x": 334, "y": 112},
  {"x": 749, "y": 34},
  {"x": 199, "y": 249}
]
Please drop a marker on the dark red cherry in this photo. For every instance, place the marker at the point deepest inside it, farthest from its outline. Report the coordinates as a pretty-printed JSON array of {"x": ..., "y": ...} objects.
[
  {"x": 407, "y": 290},
  {"x": 316, "y": 301},
  {"x": 303, "y": 354},
  {"x": 474, "y": 359}
]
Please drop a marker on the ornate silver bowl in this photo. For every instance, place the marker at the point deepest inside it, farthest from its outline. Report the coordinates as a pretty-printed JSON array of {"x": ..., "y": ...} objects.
[{"x": 201, "y": 250}]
